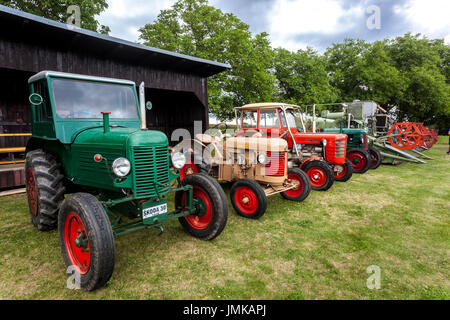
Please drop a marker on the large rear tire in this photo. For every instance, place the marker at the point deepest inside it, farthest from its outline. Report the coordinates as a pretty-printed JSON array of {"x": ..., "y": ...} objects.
[
  {"x": 304, "y": 186},
  {"x": 210, "y": 223},
  {"x": 45, "y": 189},
  {"x": 346, "y": 173},
  {"x": 248, "y": 199},
  {"x": 320, "y": 174},
  {"x": 87, "y": 240},
  {"x": 360, "y": 160},
  {"x": 376, "y": 158}
]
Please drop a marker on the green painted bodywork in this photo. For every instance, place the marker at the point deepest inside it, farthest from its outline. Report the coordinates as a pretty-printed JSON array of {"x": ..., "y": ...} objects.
[
  {"x": 355, "y": 137},
  {"x": 75, "y": 142}
]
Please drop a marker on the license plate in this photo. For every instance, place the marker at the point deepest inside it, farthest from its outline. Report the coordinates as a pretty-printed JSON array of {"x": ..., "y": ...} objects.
[{"x": 154, "y": 211}]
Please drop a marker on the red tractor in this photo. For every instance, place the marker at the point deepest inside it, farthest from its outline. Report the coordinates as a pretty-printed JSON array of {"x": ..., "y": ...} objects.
[{"x": 321, "y": 155}]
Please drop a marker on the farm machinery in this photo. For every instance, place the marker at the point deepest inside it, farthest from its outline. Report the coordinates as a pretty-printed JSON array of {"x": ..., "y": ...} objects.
[
  {"x": 257, "y": 168},
  {"x": 320, "y": 155},
  {"x": 89, "y": 140},
  {"x": 385, "y": 140}
]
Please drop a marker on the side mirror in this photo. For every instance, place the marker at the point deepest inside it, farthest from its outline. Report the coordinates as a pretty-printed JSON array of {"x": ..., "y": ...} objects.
[
  {"x": 35, "y": 99},
  {"x": 148, "y": 106}
]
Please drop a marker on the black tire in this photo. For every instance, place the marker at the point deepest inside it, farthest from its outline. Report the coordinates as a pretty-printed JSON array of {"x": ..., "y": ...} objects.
[
  {"x": 348, "y": 172},
  {"x": 325, "y": 175},
  {"x": 376, "y": 156},
  {"x": 360, "y": 160},
  {"x": 254, "y": 193},
  {"x": 207, "y": 188},
  {"x": 45, "y": 189},
  {"x": 305, "y": 187},
  {"x": 96, "y": 227}
]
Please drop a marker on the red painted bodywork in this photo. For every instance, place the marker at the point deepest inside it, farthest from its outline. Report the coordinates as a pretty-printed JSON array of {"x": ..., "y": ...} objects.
[{"x": 335, "y": 154}]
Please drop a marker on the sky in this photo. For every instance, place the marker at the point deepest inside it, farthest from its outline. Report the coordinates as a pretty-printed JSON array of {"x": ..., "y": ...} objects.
[{"x": 297, "y": 24}]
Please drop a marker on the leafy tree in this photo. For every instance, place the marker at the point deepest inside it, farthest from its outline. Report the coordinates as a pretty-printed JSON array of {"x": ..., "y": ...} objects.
[
  {"x": 57, "y": 10},
  {"x": 193, "y": 27},
  {"x": 302, "y": 78},
  {"x": 424, "y": 66}
]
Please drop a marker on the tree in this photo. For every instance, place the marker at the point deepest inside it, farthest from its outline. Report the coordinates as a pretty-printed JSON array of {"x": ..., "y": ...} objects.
[
  {"x": 195, "y": 28},
  {"x": 424, "y": 66},
  {"x": 57, "y": 10},
  {"x": 302, "y": 78}
]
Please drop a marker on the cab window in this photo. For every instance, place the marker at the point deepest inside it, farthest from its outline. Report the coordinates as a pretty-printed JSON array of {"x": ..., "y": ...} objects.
[
  {"x": 249, "y": 118},
  {"x": 268, "y": 118}
]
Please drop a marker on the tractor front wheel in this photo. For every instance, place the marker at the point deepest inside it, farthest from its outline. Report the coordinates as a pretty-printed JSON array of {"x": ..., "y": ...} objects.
[
  {"x": 248, "y": 198},
  {"x": 45, "y": 189},
  {"x": 320, "y": 174},
  {"x": 360, "y": 160},
  {"x": 376, "y": 158},
  {"x": 87, "y": 240},
  {"x": 212, "y": 215},
  {"x": 346, "y": 173},
  {"x": 301, "y": 192}
]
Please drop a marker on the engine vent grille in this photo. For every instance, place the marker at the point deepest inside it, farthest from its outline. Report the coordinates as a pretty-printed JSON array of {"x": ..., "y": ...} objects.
[
  {"x": 151, "y": 171},
  {"x": 340, "y": 149},
  {"x": 275, "y": 164}
]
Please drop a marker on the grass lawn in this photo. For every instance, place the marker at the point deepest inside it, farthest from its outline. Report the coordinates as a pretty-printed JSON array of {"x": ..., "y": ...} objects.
[{"x": 396, "y": 217}]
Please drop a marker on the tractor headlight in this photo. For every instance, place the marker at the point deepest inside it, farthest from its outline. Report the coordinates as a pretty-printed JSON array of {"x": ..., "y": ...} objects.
[
  {"x": 324, "y": 142},
  {"x": 261, "y": 158},
  {"x": 240, "y": 159},
  {"x": 178, "y": 160},
  {"x": 121, "y": 167}
]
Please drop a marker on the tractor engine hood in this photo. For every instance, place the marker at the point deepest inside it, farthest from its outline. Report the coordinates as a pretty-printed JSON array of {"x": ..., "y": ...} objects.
[{"x": 256, "y": 144}]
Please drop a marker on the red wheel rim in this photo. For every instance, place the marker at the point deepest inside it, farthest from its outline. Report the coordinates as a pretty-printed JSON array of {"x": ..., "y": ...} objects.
[
  {"x": 246, "y": 200},
  {"x": 296, "y": 191},
  {"x": 374, "y": 158},
  {"x": 79, "y": 256},
  {"x": 188, "y": 168},
  {"x": 32, "y": 191},
  {"x": 200, "y": 221},
  {"x": 342, "y": 173},
  {"x": 358, "y": 161},
  {"x": 317, "y": 176}
]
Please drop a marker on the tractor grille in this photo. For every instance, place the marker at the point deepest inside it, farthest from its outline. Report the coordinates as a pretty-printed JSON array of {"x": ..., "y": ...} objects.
[
  {"x": 151, "y": 171},
  {"x": 340, "y": 149},
  {"x": 275, "y": 164}
]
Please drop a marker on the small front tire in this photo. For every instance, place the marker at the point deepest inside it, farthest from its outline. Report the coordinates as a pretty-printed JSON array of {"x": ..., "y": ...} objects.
[
  {"x": 304, "y": 186},
  {"x": 376, "y": 156},
  {"x": 346, "y": 173},
  {"x": 360, "y": 160},
  {"x": 248, "y": 199},
  {"x": 320, "y": 174}
]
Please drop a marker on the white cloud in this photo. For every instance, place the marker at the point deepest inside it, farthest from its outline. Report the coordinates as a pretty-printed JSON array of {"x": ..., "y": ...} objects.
[
  {"x": 125, "y": 17},
  {"x": 429, "y": 17},
  {"x": 290, "y": 18}
]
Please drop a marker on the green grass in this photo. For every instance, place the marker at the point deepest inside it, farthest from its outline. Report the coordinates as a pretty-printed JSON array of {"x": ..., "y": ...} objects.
[{"x": 396, "y": 217}]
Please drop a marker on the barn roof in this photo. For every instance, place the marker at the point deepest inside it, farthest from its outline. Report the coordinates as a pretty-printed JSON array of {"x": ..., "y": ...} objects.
[{"x": 17, "y": 24}]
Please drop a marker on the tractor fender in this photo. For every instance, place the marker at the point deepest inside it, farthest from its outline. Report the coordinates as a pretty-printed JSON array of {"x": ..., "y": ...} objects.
[{"x": 309, "y": 159}]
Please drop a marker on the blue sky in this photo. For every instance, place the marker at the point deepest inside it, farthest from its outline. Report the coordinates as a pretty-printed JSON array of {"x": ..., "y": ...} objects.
[{"x": 296, "y": 24}]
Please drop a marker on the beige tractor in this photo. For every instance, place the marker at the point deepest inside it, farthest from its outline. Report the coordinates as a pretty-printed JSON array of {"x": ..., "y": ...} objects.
[{"x": 257, "y": 167}]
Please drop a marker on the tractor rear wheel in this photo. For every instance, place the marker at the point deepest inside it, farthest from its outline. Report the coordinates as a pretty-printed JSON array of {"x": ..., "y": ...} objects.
[
  {"x": 248, "y": 198},
  {"x": 212, "y": 218},
  {"x": 301, "y": 192},
  {"x": 346, "y": 173},
  {"x": 87, "y": 240},
  {"x": 360, "y": 160},
  {"x": 376, "y": 158},
  {"x": 45, "y": 189},
  {"x": 320, "y": 174}
]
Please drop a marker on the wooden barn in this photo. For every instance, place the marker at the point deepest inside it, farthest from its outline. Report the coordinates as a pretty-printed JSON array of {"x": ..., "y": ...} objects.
[{"x": 176, "y": 84}]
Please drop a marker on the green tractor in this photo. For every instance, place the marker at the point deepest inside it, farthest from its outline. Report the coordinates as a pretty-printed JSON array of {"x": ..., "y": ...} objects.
[{"x": 94, "y": 171}]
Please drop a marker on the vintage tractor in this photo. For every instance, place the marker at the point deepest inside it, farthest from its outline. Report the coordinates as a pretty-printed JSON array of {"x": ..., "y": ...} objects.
[
  {"x": 89, "y": 140},
  {"x": 257, "y": 167},
  {"x": 320, "y": 155}
]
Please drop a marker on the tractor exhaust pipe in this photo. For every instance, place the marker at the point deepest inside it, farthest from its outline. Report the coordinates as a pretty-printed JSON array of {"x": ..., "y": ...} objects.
[{"x": 142, "y": 106}]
